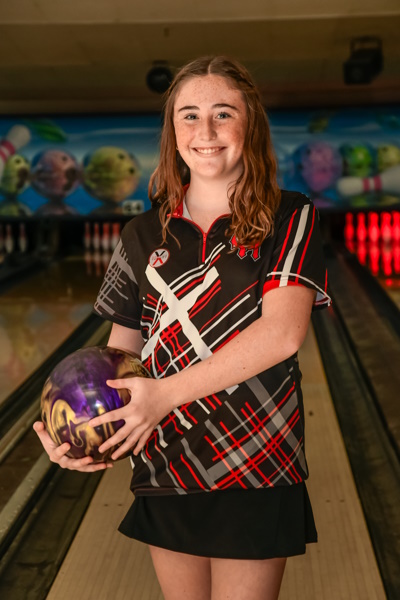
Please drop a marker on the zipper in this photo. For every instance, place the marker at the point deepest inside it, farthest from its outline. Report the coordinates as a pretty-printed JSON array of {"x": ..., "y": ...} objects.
[
  {"x": 203, "y": 233},
  {"x": 203, "y": 253}
]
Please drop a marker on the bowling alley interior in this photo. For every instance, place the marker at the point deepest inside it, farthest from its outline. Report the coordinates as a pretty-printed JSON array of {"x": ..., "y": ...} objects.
[{"x": 81, "y": 96}]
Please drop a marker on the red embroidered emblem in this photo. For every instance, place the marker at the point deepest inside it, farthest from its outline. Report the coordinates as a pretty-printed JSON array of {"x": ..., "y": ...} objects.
[{"x": 254, "y": 252}]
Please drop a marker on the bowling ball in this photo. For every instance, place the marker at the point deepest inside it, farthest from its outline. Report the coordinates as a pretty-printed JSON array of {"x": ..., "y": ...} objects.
[
  {"x": 55, "y": 174},
  {"x": 15, "y": 176},
  {"x": 358, "y": 160},
  {"x": 110, "y": 174},
  {"x": 388, "y": 156},
  {"x": 76, "y": 391},
  {"x": 319, "y": 164}
]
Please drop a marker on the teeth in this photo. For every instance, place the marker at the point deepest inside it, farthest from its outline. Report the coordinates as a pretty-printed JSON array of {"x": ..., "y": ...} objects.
[{"x": 207, "y": 150}]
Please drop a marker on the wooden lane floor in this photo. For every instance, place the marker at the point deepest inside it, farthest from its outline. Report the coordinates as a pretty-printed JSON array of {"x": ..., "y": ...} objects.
[
  {"x": 37, "y": 315},
  {"x": 103, "y": 564},
  {"x": 391, "y": 285}
]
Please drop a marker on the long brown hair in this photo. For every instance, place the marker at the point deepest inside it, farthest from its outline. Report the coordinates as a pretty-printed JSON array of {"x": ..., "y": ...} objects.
[{"x": 254, "y": 198}]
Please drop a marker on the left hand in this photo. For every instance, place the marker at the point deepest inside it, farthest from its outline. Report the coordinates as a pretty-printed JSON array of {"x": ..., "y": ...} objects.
[{"x": 146, "y": 408}]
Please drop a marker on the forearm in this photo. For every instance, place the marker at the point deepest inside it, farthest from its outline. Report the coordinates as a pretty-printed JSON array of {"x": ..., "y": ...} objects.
[
  {"x": 126, "y": 339},
  {"x": 269, "y": 340},
  {"x": 255, "y": 349}
]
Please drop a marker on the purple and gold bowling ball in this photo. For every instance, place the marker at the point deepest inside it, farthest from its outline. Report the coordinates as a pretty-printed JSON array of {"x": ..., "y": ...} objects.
[{"x": 76, "y": 391}]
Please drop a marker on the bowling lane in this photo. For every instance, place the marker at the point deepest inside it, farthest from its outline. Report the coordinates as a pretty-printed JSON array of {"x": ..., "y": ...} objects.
[
  {"x": 383, "y": 262},
  {"x": 341, "y": 566},
  {"x": 391, "y": 285},
  {"x": 37, "y": 315}
]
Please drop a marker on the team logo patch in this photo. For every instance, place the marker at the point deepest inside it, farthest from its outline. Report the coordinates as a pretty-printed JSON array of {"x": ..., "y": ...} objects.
[
  {"x": 159, "y": 257},
  {"x": 243, "y": 252}
]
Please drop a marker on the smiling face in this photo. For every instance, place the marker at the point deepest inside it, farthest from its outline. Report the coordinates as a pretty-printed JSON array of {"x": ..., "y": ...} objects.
[{"x": 210, "y": 119}]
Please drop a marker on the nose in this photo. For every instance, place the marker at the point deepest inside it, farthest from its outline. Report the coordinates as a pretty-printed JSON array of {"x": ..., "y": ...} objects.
[{"x": 208, "y": 131}]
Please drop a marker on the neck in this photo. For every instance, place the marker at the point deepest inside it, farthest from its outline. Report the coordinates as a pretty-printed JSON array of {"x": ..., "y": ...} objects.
[{"x": 205, "y": 197}]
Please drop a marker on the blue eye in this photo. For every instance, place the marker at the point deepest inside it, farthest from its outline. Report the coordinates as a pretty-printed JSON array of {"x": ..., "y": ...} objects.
[
  {"x": 190, "y": 117},
  {"x": 223, "y": 115}
]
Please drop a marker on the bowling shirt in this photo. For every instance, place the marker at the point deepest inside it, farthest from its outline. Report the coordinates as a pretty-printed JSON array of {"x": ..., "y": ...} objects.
[{"x": 190, "y": 300}]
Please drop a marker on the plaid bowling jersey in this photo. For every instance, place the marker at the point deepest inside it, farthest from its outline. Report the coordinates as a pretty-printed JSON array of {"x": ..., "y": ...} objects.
[{"x": 190, "y": 301}]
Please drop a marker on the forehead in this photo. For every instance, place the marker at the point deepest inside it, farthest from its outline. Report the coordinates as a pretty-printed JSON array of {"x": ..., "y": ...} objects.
[{"x": 208, "y": 89}]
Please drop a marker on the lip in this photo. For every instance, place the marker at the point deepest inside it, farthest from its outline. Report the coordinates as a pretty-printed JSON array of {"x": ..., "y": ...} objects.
[{"x": 208, "y": 151}]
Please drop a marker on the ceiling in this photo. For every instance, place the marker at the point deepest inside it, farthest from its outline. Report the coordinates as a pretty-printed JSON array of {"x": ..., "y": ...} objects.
[{"x": 93, "y": 55}]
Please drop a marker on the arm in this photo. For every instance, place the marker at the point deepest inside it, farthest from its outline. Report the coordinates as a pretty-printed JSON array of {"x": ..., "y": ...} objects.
[
  {"x": 126, "y": 339},
  {"x": 277, "y": 335}
]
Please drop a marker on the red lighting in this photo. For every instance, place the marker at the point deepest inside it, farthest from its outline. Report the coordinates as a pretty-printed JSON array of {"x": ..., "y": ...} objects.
[{"x": 373, "y": 255}]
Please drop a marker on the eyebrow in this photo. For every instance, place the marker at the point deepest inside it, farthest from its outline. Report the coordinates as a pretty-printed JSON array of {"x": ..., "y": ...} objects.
[{"x": 222, "y": 105}]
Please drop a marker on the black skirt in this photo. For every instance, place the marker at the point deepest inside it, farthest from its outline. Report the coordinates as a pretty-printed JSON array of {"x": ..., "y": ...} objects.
[{"x": 243, "y": 524}]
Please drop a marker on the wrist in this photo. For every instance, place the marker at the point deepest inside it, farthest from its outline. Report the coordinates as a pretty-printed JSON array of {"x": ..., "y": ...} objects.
[{"x": 174, "y": 391}]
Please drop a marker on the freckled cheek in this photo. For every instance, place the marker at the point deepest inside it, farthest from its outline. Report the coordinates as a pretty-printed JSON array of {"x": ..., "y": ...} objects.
[
  {"x": 182, "y": 136},
  {"x": 237, "y": 141},
  {"x": 237, "y": 135}
]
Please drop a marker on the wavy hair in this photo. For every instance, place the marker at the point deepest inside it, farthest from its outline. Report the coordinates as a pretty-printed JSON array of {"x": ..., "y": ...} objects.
[{"x": 255, "y": 196}]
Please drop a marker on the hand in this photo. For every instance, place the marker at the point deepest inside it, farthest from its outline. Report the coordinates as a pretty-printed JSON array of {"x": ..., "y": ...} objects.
[
  {"x": 147, "y": 407},
  {"x": 57, "y": 454}
]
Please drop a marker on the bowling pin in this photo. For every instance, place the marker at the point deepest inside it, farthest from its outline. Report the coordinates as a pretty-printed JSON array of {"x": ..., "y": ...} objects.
[
  {"x": 88, "y": 262},
  {"x": 373, "y": 227},
  {"x": 115, "y": 235},
  {"x": 362, "y": 252},
  {"x": 396, "y": 226},
  {"x": 105, "y": 259},
  {"x": 387, "y": 255},
  {"x": 9, "y": 240},
  {"x": 105, "y": 238},
  {"x": 86, "y": 237},
  {"x": 17, "y": 137},
  {"x": 97, "y": 263},
  {"x": 361, "y": 231},
  {"x": 388, "y": 181},
  {"x": 373, "y": 256},
  {"x": 396, "y": 259},
  {"x": 386, "y": 227},
  {"x": 96, "y": 237},
  {"x": 22, "y": 239},
  {"x": 349, "y": 228}
]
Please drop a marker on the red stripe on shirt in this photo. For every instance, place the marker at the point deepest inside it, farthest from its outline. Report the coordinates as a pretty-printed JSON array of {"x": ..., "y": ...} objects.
[
  {"x": 286, "y": 240},
  {"x": 192, "y": 472},
  {"x": 175, "y": 472}
]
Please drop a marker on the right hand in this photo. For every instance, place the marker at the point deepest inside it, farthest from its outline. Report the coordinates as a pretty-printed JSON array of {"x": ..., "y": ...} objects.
[{"x": 57, "y": 454}]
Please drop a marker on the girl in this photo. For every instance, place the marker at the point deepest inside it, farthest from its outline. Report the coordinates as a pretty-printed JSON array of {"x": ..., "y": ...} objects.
[{"x": 214, "y": 287}]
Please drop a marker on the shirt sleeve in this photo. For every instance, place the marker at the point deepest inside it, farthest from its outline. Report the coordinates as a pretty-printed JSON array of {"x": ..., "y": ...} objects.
[
  {"x": 118, "y": 298},
  {"x": 298, "y": 257}
]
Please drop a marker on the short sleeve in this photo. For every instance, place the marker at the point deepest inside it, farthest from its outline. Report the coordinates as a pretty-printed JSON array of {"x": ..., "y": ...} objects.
[
  {"x": 298, "y": 257},
  {"x": 118, "y": 298}
]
